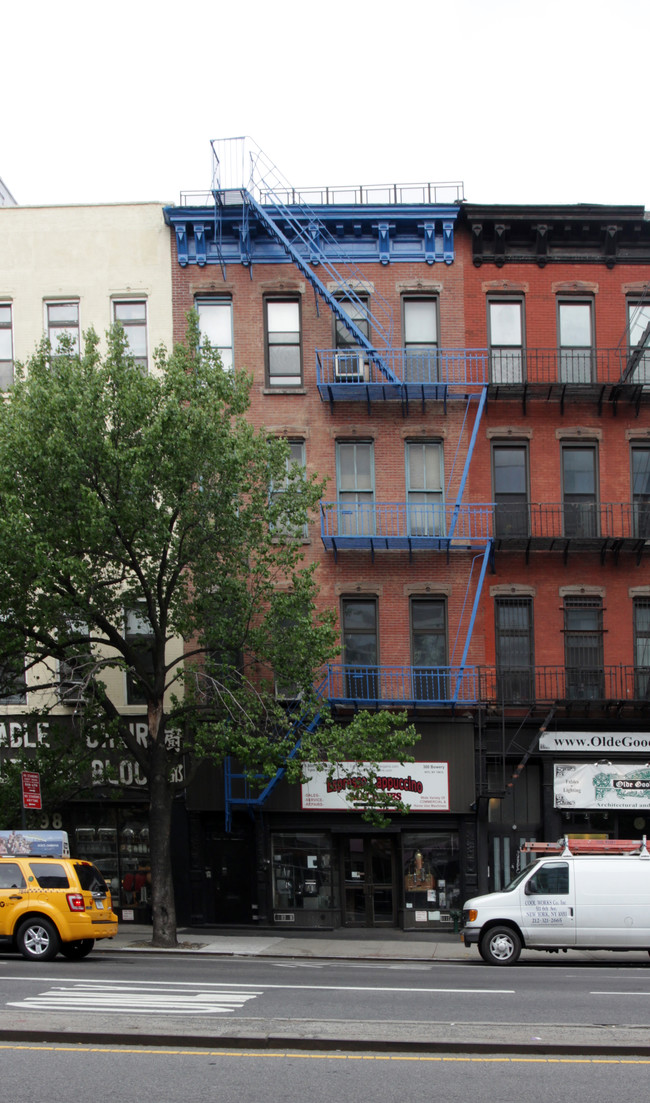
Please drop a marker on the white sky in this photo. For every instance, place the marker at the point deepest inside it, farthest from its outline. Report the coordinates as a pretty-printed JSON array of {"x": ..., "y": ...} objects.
[{"x": 540, "y": 101}]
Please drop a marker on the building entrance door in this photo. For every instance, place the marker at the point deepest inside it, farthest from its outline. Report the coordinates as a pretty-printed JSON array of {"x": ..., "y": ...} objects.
[{"x": 367, "y": 868}]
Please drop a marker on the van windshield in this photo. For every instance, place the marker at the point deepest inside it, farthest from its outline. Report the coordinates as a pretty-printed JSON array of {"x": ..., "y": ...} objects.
[{"x": 519, "y": 878}]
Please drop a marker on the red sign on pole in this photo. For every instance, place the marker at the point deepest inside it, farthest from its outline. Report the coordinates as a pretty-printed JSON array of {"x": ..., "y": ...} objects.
[{"x": 31, "y": 783}]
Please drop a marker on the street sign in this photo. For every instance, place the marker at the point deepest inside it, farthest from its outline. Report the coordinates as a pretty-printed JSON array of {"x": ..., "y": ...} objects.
[{"x": 31, "y": 783}]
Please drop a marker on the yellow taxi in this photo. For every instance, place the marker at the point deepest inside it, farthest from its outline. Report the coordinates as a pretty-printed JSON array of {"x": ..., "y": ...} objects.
[{"x": 53, "y": 905}]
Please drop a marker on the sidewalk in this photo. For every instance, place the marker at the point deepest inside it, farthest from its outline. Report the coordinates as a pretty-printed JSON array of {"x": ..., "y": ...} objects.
[{"x": 342, "y": 944}]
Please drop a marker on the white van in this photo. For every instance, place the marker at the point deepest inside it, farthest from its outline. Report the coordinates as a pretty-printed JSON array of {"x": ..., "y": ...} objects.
[{"x": 583, "y": 901}]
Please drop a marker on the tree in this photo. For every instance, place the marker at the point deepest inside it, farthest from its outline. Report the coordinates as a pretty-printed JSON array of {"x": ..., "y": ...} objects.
[{"x": 151, "y": 501}]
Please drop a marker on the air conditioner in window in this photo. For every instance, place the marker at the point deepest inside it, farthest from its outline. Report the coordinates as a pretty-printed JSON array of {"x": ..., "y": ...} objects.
[
  {"x": 71, "y": 692},
  {"x": 348, "y": 367}
]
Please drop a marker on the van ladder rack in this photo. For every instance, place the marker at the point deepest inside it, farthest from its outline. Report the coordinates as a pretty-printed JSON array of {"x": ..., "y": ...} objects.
[{"x": 588, "y": 846}]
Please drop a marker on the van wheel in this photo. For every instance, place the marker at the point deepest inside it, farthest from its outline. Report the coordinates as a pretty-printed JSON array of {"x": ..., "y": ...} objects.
[
  {"x": 500, "y": 946},
  {"x": 74, "y": 951},
  {"x": 38, "y": 940}
]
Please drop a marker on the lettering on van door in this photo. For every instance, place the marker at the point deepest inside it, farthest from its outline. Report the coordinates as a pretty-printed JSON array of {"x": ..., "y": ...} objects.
[{"x": 546, "y": 901}]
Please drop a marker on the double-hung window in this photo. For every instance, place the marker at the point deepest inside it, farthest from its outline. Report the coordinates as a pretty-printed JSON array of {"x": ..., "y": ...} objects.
[
  {"x": 638, "y": 316},
  {"x": 513, "y": 619},
  {"x": 131, "y": 314},
  {"x": 215, "y": 326},
  {"x": 349, "y": 363},
  {"x": 425, "y": 509},
  {"x": 6, "y": 347},
  {"x": 420, "y": 340},
  {"x": 62, "y": 321},
  {"x": 429, "y": 649},
  {"x": 355, "y": 484},
  {"x": 296, "y": 458},
  {"x": 139, "y": 634},
  {"x": 642, "y": 648},
  {"x": 506, "y": 333},
  {"x": 576, "y": 341},
  {"x": 283, "y": 343},
  {"x": 583, "y": 648},
  {"x": 510, "y": 480},
  {"x": 75, "y": 669},
  {"x": 360, "y": 648},
  {"x": 641, "y": 491},
  {"x": 13, "y": 687},
  {"x": 580, "y": 491}
]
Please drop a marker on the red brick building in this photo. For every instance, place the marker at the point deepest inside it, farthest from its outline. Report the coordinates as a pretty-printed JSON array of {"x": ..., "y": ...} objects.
[{"x": 466, "y": 378}]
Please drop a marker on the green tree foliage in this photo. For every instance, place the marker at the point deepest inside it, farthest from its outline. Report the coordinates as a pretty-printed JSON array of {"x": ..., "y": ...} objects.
[{"x": 122, "y": 490}]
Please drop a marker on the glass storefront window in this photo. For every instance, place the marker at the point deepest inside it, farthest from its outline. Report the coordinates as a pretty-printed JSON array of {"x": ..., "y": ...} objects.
[
  {"x": 431, "y": 871},
  {"x": 117, "y": 842},
  {"x": 303, "y": 873}
]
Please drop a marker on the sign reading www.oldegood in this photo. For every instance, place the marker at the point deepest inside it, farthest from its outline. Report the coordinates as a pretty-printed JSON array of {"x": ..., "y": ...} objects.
[
  {"x": 422, "y": 785},
  {"x": 590, "y": 742},
  {"x": 601, "y": 785}
]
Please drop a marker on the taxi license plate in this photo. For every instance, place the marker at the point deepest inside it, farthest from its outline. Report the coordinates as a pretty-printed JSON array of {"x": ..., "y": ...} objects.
[{"x": 99, "y": 903}]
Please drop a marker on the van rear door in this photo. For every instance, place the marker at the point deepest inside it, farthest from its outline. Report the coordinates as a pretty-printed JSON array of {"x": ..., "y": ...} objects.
[{"x": 548, "y": 914}]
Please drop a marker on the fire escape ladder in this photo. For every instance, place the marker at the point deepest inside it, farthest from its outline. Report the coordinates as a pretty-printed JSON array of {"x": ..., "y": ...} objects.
[
  {"x": 459, "y": 677},
  {"x": 301, "y": 237},
  {"x": 468, "y": 458},
  {"x": 255, "y": 801}
]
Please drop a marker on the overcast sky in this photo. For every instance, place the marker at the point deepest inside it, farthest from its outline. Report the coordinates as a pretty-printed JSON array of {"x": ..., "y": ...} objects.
[{"x": 522, "y": 100}]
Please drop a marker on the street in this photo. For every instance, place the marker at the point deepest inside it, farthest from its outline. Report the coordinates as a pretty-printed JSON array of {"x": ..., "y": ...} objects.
[
  {"x": 149, "y": 998},
  {"x": 51, "y": 1073}
]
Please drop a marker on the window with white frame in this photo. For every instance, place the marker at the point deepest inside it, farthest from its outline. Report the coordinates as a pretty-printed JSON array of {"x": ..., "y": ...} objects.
[
  {"x": 296, "y": 458},
  {"x": 62, "y": 322},
  {"x": 139, "y": 634},
  {"x": 424, "y": 488},
  {"x": 283, "y": 343},
  {"x": 575, "y": 340},
  {"x": 6, "y": 347},
  {"x": 131, "y": 314},
  {"x": 506, "y": 334},
  {"x": 215, "y": 325},
  {"x": 75, "y": 669},
  {"x": 420, "y": 339}
]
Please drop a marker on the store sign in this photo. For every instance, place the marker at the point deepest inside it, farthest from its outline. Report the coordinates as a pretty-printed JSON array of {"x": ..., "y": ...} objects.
[
  {"x": 424, "y": 786},
  {"x": 596, "y": 742},
  {"x": 601, "y": 786}
]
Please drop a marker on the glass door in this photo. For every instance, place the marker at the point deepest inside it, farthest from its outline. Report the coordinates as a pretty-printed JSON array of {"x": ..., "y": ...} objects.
[{"x": 368, "y": 874}]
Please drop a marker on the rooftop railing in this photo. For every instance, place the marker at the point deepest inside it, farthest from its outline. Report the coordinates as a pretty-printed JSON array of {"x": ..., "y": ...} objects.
[{"x": 444, "y": 194}]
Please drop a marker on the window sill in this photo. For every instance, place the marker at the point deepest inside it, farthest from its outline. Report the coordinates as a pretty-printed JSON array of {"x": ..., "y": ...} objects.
[{"x": 284, "y": 390}]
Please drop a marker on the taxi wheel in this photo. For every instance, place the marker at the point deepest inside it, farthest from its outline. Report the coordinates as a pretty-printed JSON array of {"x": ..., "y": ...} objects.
[
  {"x": 38, "y": 940},
  {"x": 74, "y": 951},
  {"x": 500, "y": 946}
]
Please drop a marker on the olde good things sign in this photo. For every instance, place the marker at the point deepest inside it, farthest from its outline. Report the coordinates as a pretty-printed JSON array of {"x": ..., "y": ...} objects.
[{"x": 601, "y": 785}]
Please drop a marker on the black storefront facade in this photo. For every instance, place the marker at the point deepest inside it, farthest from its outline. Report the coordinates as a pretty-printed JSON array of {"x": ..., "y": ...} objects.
[{"x": 301, "y": 861}]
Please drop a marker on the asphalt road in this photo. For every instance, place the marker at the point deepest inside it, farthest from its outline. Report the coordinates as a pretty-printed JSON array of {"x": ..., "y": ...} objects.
[{"x": 450, "y": 1006}]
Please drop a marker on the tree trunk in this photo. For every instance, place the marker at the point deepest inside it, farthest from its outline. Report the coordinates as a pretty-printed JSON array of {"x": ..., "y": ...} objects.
[{"x": 160, "y": 810}]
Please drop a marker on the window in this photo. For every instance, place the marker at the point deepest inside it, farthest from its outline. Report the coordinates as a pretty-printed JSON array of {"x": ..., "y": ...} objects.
[
  {"x": 13, "y": 690},
  {"x": 420, "y": 340},
  {"x": 551, "y": 879},
  {"x": 139, "y": 634},
  {"x": 6, "y": 347},
  {"x": 510, "y": 480},
  {"x": 283, "y": 343},
  {"x": 583, "y": 648},
  {"x": 132, "y": 316},
  {"x": 513, "y": 618},
  {"x": 215, "y": 325},
  {"x": 642, "y": 648},
  {"x": 638, "y": 316},
  {"x": 580, "y": 503},
  {"x": 295, "y": 458},
  {"x": 349, "y": 362},
  {"x": 424, "y": 490},
  {"x": 355, "y": 482},
  {"x": 62, "y": 320},
  {"x": 360, "y": 648},
  {"x": 575, "y": 338},
  {"x": 641, "y": 491},
  {"x": 11, "y": 876},
  {"x": 429, "y": 649},
  {"x": 506, "y": 334},
  {"x": 75, "y": 668}
]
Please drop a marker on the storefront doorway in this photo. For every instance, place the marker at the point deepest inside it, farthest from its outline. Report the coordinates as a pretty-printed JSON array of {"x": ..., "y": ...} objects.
[{"x": 367, "y": 878}]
